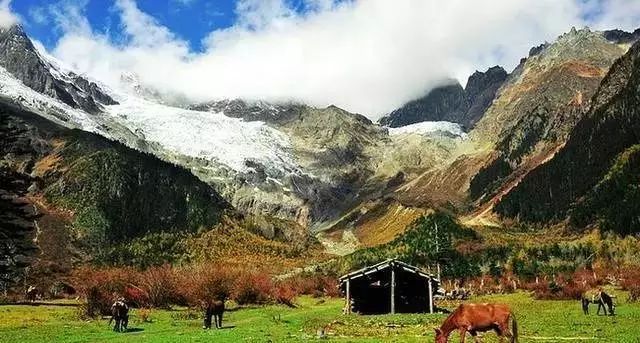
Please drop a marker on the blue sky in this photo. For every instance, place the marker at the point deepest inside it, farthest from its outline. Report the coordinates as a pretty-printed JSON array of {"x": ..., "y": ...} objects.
[{"x": 191, "y": 20}]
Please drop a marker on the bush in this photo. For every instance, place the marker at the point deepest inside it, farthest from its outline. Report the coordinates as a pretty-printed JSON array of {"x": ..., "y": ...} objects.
[
  {"x": 161, "y": 287},
  {"x": 253, "y": 288},
  {"x": 314, "y": 285},
  {"x": 634, "y": 293},
  {"x": 203, "y": 284},
  {"x": 284, "y": 294},
  {"x": 100, "y": 287},
  {"x": 194, "y": 285},
  {"x": 560, "y": 289}
]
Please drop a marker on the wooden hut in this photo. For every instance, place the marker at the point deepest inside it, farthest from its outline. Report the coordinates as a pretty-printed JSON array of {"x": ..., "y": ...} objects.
[{"x": 391, "y": 286}]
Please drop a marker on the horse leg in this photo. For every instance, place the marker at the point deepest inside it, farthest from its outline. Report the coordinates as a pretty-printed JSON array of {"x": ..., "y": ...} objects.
[
  {"x": 207, "y": 321},
  {"x": 463, "y": 334},
  {"x": 500, "y": 330},
  {"x": 474, "y": 334},
  {"x": 220, "y": 319},
  {"x": 601, "y": 307}
]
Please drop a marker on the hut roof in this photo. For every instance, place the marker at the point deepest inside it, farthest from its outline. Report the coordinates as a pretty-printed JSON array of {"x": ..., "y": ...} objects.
[{"x": 384, "y": 265}]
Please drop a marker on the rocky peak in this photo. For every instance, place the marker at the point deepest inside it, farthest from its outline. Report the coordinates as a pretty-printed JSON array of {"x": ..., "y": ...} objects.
[
  {"x": 480, "y": 91},
  {"x": 478, "y": 80},
  {"x": 250, "y": 110},
  {"x": 536, "y": 50},
  {"x": 451, "y": 102},
  {"x": 20, "y": 58},
  {"x": 440, "y": 104},
  {"x": 622, "y": 37}
]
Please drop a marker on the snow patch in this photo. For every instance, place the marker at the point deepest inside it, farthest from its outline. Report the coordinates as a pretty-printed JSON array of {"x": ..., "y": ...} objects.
[
  {"x": 429, "y": 128},
  {"x": 18, "y": 93}
]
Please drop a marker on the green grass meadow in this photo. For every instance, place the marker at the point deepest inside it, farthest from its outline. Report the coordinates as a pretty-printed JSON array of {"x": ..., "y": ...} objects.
[{"x": 539, "y": 321}]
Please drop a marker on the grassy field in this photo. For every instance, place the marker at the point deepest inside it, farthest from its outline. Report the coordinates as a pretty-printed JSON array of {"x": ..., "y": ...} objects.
[{"x": 539, "y": 321}]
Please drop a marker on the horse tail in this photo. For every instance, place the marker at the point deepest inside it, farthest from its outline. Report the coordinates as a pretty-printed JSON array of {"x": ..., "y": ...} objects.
[{"x": 514, "y": 329}]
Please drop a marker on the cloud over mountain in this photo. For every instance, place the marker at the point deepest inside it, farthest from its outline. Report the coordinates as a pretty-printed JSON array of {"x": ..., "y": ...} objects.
[{"x": 366, "y": 56}]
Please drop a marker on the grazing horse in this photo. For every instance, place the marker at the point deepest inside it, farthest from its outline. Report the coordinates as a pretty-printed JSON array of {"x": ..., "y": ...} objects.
[
  {"x": 213, "y": 309},
  {"x": 601, "y": 298},
  {"x": 32, "y": 293},
  {"x": 119, "y": 313},
  {"x": 474, "y": 318}
]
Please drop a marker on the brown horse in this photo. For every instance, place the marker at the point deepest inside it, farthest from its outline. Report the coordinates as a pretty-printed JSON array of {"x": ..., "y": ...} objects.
[{"x": 474, "y": 318}]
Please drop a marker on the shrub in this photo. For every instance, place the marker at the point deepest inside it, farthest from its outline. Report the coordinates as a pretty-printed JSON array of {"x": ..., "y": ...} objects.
[
  {"x": 100, "y": 287},
  {"x": 252, "y": 288},
  {"x": 135, "y": 296},
  {"x": 203, "y": 284},
  {"x": 284, "y": 294},
  {"x": 160, "y": 286},
  {"x": 560, "y": 289},
  {"x": 634, "y": 293}
]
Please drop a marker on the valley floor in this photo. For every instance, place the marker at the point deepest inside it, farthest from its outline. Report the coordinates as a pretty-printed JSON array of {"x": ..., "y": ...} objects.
[{"x": 539, "y": 321}]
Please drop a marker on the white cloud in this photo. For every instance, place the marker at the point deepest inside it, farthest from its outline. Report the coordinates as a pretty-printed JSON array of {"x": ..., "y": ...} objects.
[
  {"x": 367, "y": 56},
  {"x": 608, "y": 14},
  {"x": 7, "y": 17}
]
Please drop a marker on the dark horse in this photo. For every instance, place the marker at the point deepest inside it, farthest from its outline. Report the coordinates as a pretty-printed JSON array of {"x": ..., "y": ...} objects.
[
  {"x": 119, "y": 313},
  {"x": 601, "y": 298},
  {"x": 213, "y": 309},
  {"x": 32, "y": 294},
  {"x": 474, "y": 318}
]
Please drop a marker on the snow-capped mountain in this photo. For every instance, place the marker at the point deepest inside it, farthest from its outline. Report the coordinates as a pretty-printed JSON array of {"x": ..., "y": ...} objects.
[{"x": 290, "y": 161}]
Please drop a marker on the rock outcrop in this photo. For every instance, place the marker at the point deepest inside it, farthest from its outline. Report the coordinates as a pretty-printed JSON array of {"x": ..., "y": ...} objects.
[
  {"x": 20, "y": 57},
  {"x": 451, "y": 102}
]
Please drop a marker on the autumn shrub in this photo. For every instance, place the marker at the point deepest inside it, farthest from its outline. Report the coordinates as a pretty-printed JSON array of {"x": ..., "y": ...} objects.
[
  {"x": 314, "y": 285},
  {"x": 135, "y": 296},
  {"x": 205, "y": 283},
  {"x": 100, "y": 287},
  {"x": 630, "y": 281},
  {"x": 252, "y": 288},
  {"x": 161, "y": 287},
  {"x": 284, "y": 293},
  {"x": 588, "y": 278},
  {"x": 559, "y": 289}
]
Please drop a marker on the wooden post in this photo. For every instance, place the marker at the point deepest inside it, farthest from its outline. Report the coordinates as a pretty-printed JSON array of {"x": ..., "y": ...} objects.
[
  {"x": 393, "y": 289},
  {"x": 348, "y": 296},
  {"x": 430, "y": 296}
]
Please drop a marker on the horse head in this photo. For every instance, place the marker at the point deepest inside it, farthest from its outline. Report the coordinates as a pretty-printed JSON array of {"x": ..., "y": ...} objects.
[{"x": 441, "y": 337}]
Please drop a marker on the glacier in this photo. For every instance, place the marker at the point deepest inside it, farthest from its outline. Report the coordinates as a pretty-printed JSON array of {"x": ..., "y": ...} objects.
[
  {"x": 429, "y": 128},
  {"x": 230, "y": 142}
]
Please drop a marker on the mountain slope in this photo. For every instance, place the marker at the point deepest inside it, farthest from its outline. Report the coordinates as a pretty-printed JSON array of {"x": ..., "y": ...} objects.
[
  {"x": 95, "y": 191},
  {"x": 607, "y": 131},
  {"x": 539, "y": 106}
]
